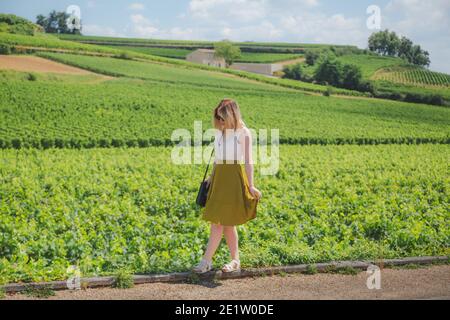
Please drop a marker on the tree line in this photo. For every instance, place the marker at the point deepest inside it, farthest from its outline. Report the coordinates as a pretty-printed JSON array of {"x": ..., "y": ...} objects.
[
  {"x": 58, "y": 22},
  {"x": 388, "y": 43}
]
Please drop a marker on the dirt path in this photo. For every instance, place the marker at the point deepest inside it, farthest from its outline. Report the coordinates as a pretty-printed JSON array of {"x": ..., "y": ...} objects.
[
  {"x": 293, "y": 61},
  {"x": 431, "y": 282},
  {"x": 37, "y": 64}
]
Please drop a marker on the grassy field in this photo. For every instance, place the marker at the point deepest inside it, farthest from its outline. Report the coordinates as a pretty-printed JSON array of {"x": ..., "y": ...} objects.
[
  {"x": 140, "y": 41},
  {"x": 182, "y": 54},
  {"x": 413, "y": 76},
  {"x": 109, "y": 209},
  {"x": 130, "y": 112},
  {"x": 43, "y": 43},
  {"x": 369, "y": 64}
]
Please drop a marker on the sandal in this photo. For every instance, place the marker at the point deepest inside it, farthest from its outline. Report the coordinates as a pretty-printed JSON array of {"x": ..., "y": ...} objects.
[
  {"x": 233, "y": 266},
  {"x": 203, "y": 266}
]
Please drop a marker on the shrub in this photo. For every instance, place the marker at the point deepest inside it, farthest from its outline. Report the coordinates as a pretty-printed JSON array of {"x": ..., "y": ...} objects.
[
  {"x": 328, "y": 92},
  {"x": 123, "y": 55},
  {"x": 329, "y": 70},
  {"x": 5, "y": 49},
  {"x": 123, "y": 280},
  {"x": 311, "y": 56},
  {"x": 311, "y": 269},
  {"x": 295, "y": 72},
  {"x": 31, "y": 77},
  {"x": 351, "y": 77}
]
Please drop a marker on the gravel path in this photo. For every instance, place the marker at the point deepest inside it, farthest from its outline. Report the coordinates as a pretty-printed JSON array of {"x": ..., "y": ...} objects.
[{"x": 431, "y": 282}]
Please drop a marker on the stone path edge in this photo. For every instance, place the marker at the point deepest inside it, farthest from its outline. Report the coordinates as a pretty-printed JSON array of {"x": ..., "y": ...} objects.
[{"x": 107, "y": 281}]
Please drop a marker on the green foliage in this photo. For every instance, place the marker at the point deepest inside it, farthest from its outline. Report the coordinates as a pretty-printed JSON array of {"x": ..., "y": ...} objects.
[
  {"x": 56, "y": 22},
  {"x": 180, "y": 53},
  {"x": 5, "y": 49},
  {"x": 329, "y": 71},
  {"x": 225, "y": 49},
  {"x": 349, "y": 76},
  {"x": 123, "y": 279},
  {"x": 388, "y": 43},
  {"x": 31, "y": 77},
  {"x": 112, "y": 209},
  {"x": 41, "y": 292},
  {"x": 2, "y": 294},
  {"x": 13, "y": 24},
  {"x": 311, "y": 269},
  {"x": 47, "y": 41},
  {"x": 413, "y": 76},
  {"x": 295, "y": 72},
  {"x": 60, "y": 113},
  {"x": 311, "y": 56},
  {"x": 123, "y": 55},
  {"x": 328, "y": 92}
]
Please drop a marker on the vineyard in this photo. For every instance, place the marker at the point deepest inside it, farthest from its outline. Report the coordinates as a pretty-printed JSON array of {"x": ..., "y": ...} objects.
[
  {"x": 177, "y": 53},
  {"x": 109, "y": 209},
  {"x": 50, "y": 113},
  {"x": 413, "y": 76},
  {"x": 87, "y": 179},
  {"x": 188, "y": 43}
]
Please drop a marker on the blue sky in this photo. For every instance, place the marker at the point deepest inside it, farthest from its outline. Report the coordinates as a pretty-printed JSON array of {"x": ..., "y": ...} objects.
[{"x": 307, "y": 21}]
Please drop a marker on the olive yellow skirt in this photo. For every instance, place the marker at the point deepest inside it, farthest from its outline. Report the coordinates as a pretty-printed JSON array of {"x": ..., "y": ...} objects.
[{"x": 229, "y": 201}]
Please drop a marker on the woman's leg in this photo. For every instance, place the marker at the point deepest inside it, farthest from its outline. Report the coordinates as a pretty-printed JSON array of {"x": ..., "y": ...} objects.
[
  {"x": 214, "y": 241},
  {"x": 232, "y": 239}
]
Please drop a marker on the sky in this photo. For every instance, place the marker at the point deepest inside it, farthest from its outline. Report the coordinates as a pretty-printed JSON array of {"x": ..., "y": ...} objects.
[{"x": 302, "y": 21}]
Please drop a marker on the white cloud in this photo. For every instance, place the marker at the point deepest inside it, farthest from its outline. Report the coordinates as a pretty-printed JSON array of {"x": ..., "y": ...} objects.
[
  {"x": 228, "y": 11},
  {"x": 96, "y": 30},
  {"x": 321, "y": 28},
  {"x": 264, "y": 31},
  {"x": 143, "y": 27},
  {"x": 426, "y": 23},
  {"x": 137, "y": 6}
]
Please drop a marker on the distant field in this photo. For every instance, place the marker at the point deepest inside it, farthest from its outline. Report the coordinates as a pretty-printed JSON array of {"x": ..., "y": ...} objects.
[
  {"x": 413, "y": 76},
  {"x": 369, "y": 64},
  {"x": 159, "y": 72},
  {"x": 129, "y": 112},
  {"x": 49, "y": 42},
  {"x": 36, "y": 64},
  {"x": 182, "y": 54},
  {"x": 162, "y": 52},
  {"x": 129, "y": 41}
]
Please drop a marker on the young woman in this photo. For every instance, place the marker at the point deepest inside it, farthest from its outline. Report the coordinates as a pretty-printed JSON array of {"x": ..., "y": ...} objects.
[{"x": 232, "y": 196}]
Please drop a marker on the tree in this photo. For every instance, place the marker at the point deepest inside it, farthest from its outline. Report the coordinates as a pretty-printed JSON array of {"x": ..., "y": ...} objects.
[
  {"x": 56, "y": 22},
  {"x": 405, "y": 49},
  {"x": 294, "y": 72},
  {"x": 14, "y": 24},
  {"x": 311, "y": 56},
  {"x": 388, "y": 44},
  {"x": 384, "y": 42},
  {"x": 419, "y": 57},
  {"x": 328, "y": 71},
  {"x": 351, "y": 77},
  {"x": 225, "y": 49}
]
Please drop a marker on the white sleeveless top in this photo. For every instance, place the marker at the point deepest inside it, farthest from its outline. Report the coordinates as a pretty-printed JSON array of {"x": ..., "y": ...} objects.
[{"x": 230, "y": 146}]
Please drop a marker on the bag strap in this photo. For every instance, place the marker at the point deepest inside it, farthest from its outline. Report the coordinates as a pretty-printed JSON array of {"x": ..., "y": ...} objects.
[{"x": 207, "y": 167}]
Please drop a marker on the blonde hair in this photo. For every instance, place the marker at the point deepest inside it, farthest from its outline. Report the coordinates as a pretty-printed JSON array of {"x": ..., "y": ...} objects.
[{"x": 230, "y": 112}]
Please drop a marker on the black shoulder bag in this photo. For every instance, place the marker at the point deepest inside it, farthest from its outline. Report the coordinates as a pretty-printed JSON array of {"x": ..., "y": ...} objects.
[{"x": 204, "y": 187}]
